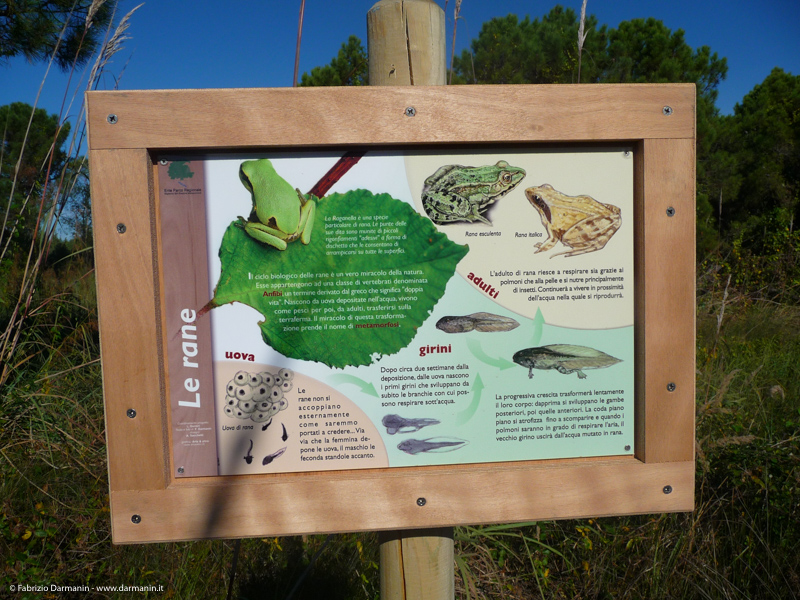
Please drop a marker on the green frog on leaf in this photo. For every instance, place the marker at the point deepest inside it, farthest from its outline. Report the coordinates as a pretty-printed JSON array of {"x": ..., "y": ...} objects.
[{"x": 280, "y": 214}]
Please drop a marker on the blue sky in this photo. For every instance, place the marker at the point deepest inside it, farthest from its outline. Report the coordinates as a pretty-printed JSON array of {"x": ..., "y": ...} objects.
[{"x": 179, "y": 44}]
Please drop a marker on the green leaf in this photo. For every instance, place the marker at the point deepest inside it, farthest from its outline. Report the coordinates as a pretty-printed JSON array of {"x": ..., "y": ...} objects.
[{"x": 369, "y": 278}]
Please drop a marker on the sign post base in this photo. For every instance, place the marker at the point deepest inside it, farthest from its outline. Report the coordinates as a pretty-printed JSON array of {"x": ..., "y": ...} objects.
[{"x": 417, "y": 564}]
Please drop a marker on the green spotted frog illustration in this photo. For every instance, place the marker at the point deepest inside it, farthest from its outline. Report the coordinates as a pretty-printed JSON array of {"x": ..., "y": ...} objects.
[{"x": 457, "y": 193}]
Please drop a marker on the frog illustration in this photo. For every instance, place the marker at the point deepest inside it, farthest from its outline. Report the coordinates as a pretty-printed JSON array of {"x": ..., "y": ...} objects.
[
  {"x": 458, "y": 193},
  {"x": 280, "y": 214},
  {"x": 578, "y": 222}
]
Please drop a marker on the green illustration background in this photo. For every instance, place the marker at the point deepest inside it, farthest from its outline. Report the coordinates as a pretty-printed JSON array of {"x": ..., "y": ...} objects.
[{"x": 422, "y": 249}]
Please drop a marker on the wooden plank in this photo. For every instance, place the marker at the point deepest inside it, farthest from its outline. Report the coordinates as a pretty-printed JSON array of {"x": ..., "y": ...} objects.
[
  {"x": 669, "y": 288},
  {"x": 127, "y": 299},
  {"x": 387, "y": 499},
  {"x": 187, "y": 337},
  {"x": 285, "y": 117}
]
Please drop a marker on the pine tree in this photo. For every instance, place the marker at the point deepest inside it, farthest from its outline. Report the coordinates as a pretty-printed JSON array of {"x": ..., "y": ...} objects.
[{"x": 36, "y": 29}]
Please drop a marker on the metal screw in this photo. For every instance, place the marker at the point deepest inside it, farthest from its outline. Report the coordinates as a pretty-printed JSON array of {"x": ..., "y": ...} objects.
[
  {"x": 136, "y": 519},
  {"x": 421, "y": 501},
  {"x": 411, "y": 111},
  {"x": 181, "y": 470},
  {"x": 627, "y": 448},
  {"x": 667, "y": 110},
  {"x": 667, "y": 489},
  {"x": 671, "y": 387},
  {"x": 670, "y": 212},
  {"x": 121, "y": 228},
  {"x": 131, "y": 413},
  {"x": 163, "y": 162},
  {"x": 627, "y": 153},
  {"x": 112, "y": 119}
]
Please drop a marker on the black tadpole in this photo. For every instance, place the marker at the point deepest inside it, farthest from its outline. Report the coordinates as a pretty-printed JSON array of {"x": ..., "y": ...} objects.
[
  {"x": 249, "y": 457},
  {"x": 285, "y": 435},
  {"x": 269, "y": 458}
]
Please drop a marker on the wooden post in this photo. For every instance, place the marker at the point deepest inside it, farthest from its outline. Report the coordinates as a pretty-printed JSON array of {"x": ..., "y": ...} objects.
[
  {"x": 406, "y": 46},
  {"x": 406, "y": 43},
  {"x": 417, "y": 564}
]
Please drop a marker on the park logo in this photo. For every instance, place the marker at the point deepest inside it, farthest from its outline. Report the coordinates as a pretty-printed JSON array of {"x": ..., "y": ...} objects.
[{"x": 179, "y": 180}]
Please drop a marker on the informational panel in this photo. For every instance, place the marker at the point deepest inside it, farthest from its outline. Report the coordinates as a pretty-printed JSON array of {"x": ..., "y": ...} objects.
[
  {"x": 340, "y": 314},
  {"x": 433, "y": 309}
]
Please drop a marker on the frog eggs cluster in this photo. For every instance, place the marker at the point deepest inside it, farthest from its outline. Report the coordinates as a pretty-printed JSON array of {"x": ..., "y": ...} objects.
[{"x": 257, "y": 396}]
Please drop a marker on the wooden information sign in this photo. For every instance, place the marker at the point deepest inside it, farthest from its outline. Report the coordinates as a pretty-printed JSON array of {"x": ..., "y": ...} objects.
[{"x": 340, "y": 309}]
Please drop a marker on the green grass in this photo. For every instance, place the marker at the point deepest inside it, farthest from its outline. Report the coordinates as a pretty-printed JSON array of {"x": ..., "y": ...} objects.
[
  {"x": 54, "y": 505},
  {"x": 740, "y": 542}
]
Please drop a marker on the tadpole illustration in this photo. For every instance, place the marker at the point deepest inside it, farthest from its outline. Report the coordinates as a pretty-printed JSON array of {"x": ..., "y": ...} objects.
[
  {"x": 284, "y": 436},
  {"x": 249, "y": 457},
  {"x": 270, "y": 457},
  {"x": 439, "y": 444},
  {"x": 564, "y": 358},
  {"x": 396, "y": 423},
  {"x": 480, "y": 321}
]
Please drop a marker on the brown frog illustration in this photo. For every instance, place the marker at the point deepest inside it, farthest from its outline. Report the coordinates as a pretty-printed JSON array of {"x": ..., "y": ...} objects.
[{"x": 579, "y": 222}]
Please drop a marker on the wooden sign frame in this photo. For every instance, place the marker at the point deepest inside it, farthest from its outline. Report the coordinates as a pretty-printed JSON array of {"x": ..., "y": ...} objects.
[{"x": 149, "y": 504}]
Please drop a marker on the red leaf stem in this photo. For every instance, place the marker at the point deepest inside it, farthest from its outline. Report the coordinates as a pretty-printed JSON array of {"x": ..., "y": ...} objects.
[{"x": 342, "y": 166}]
